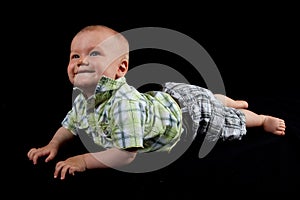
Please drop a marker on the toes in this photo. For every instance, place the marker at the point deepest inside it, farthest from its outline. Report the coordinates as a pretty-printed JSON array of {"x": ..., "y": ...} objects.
[
  {"x": 281, "y": 127},
  {"x": 280, "y": 132}
]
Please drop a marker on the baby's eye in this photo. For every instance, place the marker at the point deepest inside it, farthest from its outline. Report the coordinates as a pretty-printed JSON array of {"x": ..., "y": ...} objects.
[
  {"x": 95, "y": 53},
  {"x": 74, "y": 56}
]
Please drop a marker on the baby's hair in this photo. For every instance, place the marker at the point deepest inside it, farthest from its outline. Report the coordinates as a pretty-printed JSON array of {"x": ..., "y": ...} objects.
[
  {"x": 120, "y": 37},
  {"x": 122, "y": 40}
]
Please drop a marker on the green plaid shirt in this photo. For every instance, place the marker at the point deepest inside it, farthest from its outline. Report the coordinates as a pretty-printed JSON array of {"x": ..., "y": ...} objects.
[{"x": 117, "y": 115}]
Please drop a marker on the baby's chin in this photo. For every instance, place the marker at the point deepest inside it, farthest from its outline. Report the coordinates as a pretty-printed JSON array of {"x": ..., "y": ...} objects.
[{"x": 85, "y": 83}]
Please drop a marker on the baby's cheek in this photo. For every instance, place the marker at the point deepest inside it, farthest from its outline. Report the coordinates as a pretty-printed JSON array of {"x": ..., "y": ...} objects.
[
  {"x": 71, "y": 73},
  {"x": 71, "y": 79}
]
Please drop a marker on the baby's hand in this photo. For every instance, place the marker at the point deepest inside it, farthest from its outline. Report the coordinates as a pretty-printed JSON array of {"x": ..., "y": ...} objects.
[
  {"x": 35, "y": 153},
  {"x": 71, "y": 165}
]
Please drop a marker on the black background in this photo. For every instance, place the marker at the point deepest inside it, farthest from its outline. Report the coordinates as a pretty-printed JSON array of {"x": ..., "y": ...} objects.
[{"x": 254, "y": 47}]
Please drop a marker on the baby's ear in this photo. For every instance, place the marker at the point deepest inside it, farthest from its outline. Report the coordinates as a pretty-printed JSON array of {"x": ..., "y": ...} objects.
[{"x": 123, "y": 68}]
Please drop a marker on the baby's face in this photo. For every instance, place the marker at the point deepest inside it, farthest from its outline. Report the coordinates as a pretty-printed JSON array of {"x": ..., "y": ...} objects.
[{"x": 93, "y": 54}]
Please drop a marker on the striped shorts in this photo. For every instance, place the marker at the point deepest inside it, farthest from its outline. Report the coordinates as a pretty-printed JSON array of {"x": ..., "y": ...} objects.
[{"x": 207, "y": 114}]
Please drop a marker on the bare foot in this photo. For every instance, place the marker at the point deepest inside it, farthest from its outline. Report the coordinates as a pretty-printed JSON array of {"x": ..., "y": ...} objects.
[{"x": 274, "y": 125}]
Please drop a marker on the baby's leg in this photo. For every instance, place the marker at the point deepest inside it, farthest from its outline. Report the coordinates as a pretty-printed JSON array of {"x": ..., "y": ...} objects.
[
  {"x": 270, "y": 124},
  {"x": 230, "y": 102}
]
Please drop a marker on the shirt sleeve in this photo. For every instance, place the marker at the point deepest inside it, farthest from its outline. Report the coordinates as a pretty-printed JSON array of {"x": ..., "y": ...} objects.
[
  {"x": 128, "y": 121},
  {"x": 69, "y": 121}
]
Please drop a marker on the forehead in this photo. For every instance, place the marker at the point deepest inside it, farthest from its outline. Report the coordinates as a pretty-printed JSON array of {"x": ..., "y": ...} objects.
[{"x": 92, "y": 38}]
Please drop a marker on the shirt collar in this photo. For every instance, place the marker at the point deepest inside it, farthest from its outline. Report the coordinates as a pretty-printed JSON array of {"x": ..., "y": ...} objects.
[
  {"x": 103, "y": 89},
  {"x": 106, "y": 84}
]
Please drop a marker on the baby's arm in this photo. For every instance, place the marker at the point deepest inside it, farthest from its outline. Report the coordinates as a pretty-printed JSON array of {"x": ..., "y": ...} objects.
[{"x": 110, "y": 158}]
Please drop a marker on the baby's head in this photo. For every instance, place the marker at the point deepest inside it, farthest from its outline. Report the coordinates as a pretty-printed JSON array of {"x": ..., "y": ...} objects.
[{"x": 97, "y": 51}]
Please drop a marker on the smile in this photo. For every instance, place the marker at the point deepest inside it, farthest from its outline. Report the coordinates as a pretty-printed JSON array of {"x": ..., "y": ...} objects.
[{"x": 85, "y": 71}]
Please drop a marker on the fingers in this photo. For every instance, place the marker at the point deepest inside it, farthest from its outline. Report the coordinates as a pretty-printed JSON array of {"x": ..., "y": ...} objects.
[
  {"x": 30, "y": 152},
  {"x": 62, "y": 168},
  {"x": 70, "y": 165},
  {"x": 50, "y": 157},
  {"x": 35, "y": 153}
]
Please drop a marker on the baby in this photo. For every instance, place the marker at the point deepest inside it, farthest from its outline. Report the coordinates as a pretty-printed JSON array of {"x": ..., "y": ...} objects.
[{"x": 125, "y": 121}]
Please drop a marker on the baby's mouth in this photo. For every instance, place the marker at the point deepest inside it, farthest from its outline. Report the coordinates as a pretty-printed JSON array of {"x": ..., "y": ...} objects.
[{"x": 84, "y": 71}]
